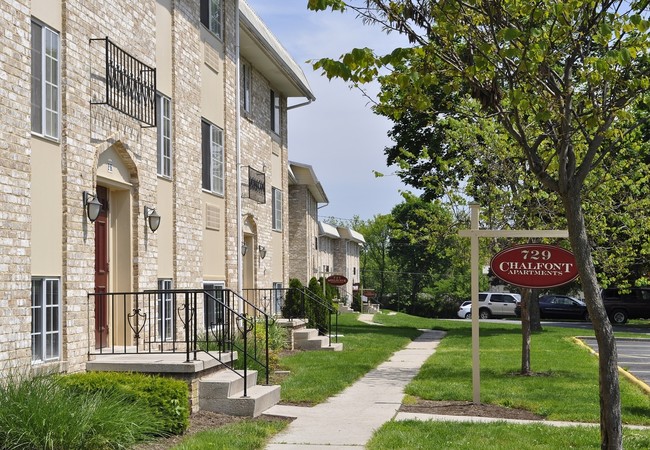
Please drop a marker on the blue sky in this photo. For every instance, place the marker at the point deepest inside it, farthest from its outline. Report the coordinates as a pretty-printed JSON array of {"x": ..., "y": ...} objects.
[{"x": 338, "y": 134}]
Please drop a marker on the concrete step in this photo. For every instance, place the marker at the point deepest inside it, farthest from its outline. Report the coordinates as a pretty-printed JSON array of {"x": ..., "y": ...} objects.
[
  {"x": 226, "y": 383},
  {"x": 315, "y": 343},
  {"x": 257, "y": 400},
  {"x": 305, "y": 334},
  {"x": 334, "y": 347}
]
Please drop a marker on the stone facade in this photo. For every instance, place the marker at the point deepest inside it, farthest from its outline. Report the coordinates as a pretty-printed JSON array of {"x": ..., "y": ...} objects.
[{"x": 101, "y": 147}]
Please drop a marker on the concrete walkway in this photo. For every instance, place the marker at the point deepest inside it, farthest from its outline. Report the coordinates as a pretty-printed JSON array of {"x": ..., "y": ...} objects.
[{"x": 348, "y": 420}]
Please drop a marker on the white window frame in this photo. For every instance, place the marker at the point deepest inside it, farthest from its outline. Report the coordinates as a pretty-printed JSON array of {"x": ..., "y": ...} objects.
[
  {"x": 46, "y": 319},
  {"x": 246, "y": 86},
  {"x": 164, "y": 158},
  {"x": 207, "y": 314},
  {"x": 215, "y": 182},
  {"x": 276, "y": 209},
  {"x": 278, "y": 297},
  {"x": 212, "y": 16},
  {"x": 276, "y": 112},
  {"x": 45, "y": 84},
  {"x": 165, "y": 311}
]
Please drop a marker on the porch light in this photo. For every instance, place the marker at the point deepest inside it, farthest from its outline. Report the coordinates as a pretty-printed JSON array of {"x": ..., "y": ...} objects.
[
  {"x": 262, "y": 251},
  {"x": 244, "y": 248},
  {"x": 92, "y": 206},
  {"x": 152, "y": 217}
]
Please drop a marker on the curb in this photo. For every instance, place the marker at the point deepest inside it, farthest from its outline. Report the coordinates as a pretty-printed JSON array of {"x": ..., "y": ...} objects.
[{"x": 643, "y": 386}]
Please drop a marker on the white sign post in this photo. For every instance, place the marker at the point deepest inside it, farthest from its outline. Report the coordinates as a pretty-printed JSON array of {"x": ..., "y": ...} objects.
[{"x": 474, "y": 233}]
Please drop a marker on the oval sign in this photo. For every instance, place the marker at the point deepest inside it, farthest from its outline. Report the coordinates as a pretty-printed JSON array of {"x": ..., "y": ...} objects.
[
  {"x": 337, "y": 280},
  {"x": 535, "y": 266}
]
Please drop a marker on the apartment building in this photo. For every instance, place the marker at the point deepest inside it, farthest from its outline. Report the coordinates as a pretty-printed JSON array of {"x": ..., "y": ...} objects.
[{"x": 143, "y": 146}]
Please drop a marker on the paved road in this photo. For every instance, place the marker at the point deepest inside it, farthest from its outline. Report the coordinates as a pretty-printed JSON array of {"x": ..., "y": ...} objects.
[{"x": 633, "y": 355}]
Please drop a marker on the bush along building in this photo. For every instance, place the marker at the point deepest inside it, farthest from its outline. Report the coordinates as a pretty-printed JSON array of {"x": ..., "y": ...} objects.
[{"x": 145, "y": 177}]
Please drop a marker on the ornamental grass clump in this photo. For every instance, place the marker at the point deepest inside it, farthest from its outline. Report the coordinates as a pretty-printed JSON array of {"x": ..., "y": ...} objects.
[{"x": 42, "y": 413}]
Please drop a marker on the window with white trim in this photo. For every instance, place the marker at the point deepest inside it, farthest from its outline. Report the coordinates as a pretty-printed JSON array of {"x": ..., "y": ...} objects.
[
  {"x": 245, "y": 88},
  {"x": 277, "y": 210},
  {"x": 45, "y": 81},
  {"x": 278, "y": 298},
  {"x": 275, "y": 112},
  {"x": 165, "y": 311},
  {"x": 212, "y": 16},
  {"x": 215, "y": 313},
  {"x": 164, "y": 136},
  {"x": 213, "y": 158},
  {"x": 46, "y": 319}
]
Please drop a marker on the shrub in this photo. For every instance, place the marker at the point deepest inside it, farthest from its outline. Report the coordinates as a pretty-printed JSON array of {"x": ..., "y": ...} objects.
[
  {"x": 278, "y": 339},
  {"x": 166, "y": 397},
  {"x": 43, "y": 412},
  {"x": 293, "y": 303}
]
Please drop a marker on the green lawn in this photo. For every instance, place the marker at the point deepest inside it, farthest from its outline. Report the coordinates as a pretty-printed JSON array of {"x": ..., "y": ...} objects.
[{"x": 565, "y": 386}]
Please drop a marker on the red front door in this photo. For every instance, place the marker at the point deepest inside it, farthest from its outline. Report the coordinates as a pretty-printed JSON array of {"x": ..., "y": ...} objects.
[{"x": 101, "y": 270}]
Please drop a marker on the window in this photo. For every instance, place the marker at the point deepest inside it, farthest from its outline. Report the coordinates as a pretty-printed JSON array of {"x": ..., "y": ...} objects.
[
  {"x": 275, "y": 112},
  {"x": 45, "y": 81},
  {"x": 214, "y": 307},
  {"x": 213, "y": 162},
  {"x": 46, "y": 319},
  {"x": 277, "y": 209},
  {"x": 164, "y": 136},
  {"x": 212, "y": 16},
  {"x": 165, "y": 311},
  {"x": 278, "y": 298},
  {"x": 245, "y": 88}
]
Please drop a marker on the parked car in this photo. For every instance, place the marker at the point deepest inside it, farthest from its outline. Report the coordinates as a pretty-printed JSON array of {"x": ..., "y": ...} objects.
[
  {"x": 633, "y": 303},
  {"x": 560, "y": 307},
  {"x": 492, "y": 304}
]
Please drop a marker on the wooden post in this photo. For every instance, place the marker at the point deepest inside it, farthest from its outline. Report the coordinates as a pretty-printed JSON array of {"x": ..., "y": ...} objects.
[{"x": 474, "y": 233}]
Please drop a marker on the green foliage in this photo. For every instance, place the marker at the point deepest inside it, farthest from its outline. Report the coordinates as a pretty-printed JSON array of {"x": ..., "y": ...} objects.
[
  {"x": 278, "y": 339},
  {"x": 46, "y": 412},
  {"x": 318, "y": 313},
  {"x": 424, "y": 435},
  {"x": 244, "y": 435},
  {"x": 167, "y": 398},
  {"x": 293, "y": 302}
]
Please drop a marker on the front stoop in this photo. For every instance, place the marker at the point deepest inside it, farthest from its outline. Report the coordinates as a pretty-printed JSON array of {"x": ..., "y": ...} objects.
[
  {"x": 223, "y": 392},
  {"x": 308, "y": 339}
]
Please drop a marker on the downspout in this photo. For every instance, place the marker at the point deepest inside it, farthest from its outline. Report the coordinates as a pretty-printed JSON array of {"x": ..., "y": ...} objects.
[{"x": 240, "y": 237}]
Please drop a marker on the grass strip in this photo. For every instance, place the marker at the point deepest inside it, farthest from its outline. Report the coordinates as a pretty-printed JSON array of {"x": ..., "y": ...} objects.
[
  {"x": 244, "y": 435},
  {"x": 414, "y": 435},
  {"x": 565, "y": 381}
]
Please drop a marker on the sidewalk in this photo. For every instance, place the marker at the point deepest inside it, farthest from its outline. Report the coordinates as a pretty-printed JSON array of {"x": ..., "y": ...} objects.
[{"x": 349, "y": 419}]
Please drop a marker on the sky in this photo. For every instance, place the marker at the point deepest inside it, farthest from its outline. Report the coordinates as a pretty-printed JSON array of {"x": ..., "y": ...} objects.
[{"x": 338, "y": 134}]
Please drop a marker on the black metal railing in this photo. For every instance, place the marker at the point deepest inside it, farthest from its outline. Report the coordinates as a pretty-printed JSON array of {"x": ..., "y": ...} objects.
[
  {"x": 215, "y": 322},
  {"x": 293, "y": 303}
]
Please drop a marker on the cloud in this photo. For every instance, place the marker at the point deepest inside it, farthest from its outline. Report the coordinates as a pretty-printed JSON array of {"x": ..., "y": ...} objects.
[{"x": 338, "y": 134}]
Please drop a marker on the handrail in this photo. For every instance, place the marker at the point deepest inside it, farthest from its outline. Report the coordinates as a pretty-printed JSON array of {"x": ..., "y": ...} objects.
[
  {"x": 330, "y": 308},
  {"x": 167, "y": 321}
]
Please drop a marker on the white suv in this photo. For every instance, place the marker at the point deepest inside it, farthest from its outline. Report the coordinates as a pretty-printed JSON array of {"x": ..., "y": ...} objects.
[{"x": 492, "y": 304}]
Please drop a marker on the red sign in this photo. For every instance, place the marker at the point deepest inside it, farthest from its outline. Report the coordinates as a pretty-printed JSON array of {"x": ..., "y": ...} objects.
[
  {"x": 337, "y": 280},
  {"x": 370, "y": 293},
  {"x": 535, "y": 266}
]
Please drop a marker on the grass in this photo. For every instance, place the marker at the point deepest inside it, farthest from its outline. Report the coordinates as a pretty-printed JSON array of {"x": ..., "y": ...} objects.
[
  {"x": 245, "y": 435},
  {"x": 413, "y": 435},
  {"x": 315, "y": 376},
  {"x": 564, "y": 387},
  {"x": 40, "y": 413}
]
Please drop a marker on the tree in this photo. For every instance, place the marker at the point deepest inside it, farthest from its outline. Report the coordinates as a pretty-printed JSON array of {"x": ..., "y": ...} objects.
[{"x": 560, "y": 77}]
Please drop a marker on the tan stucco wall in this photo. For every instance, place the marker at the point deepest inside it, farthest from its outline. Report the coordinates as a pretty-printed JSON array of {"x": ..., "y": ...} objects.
[
  {"x": 48, "y": 11},
  {"x": 47, "y": 211},
  {"x": 214, "y": 241},
  {"x": 165, "y": 232}
]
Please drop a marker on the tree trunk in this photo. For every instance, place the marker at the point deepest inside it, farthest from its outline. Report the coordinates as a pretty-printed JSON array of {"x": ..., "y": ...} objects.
[
  {"x": 525, "y": 331},
  {"x": 611, "y": 433},
  {"x": 533, "y": 310}
]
